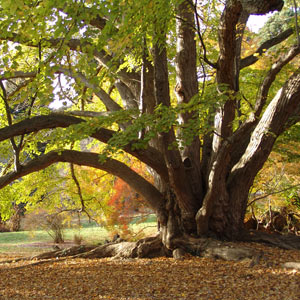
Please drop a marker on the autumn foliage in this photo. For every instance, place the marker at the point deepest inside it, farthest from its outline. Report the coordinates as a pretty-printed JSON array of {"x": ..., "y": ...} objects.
[
  {"x": 126, "y": 205},
  {"x": 107, "y": 199}
]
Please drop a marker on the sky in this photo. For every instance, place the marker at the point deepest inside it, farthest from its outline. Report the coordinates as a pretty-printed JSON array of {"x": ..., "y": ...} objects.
[{"x": 256, "y": 22}]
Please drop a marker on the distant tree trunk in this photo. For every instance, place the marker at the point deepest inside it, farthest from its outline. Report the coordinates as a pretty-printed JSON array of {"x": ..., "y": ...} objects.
[
  {"x": 2, "y": 225},
  {"x": 15, "y": 220}
]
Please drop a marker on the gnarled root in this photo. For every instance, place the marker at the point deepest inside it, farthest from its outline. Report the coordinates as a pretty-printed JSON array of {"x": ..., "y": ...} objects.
[{"x": 151, "y": 247}]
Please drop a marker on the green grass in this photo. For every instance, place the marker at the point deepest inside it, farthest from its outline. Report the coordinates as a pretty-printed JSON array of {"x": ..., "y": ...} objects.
[
  {"x": 15, "y": 242},
  {"x": 22, "y": 242}
]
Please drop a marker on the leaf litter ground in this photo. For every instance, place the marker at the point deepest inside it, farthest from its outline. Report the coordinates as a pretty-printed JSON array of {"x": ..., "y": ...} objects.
[{"x": 163, "y": 278}]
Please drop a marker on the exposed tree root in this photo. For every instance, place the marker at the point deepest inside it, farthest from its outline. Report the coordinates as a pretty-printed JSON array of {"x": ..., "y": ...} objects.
[
  {"x": 288, "y": 242},
  {"x": 72, "y": 251},
  {"x": 35, "y": 263},
  {"x": 185, "y": 246},
  {"x": 292, "y": 265}
]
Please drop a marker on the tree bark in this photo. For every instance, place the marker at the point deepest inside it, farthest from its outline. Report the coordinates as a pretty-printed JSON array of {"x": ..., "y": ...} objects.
[{"x": 186, "y": 89}]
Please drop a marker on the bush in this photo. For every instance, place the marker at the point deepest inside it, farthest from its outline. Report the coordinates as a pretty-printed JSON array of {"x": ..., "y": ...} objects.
[
  {"x": 78, "y": 239},
  {"x": 4, "y": 228},
  {"x": 54, "y": 226}
]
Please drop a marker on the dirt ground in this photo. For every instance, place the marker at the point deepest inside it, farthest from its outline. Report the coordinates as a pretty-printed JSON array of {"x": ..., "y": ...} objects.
[{"x": 164, "y": 278}]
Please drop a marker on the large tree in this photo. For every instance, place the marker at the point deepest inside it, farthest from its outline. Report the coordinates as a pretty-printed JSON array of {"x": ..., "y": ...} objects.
[{"x": 161, "y": 80}]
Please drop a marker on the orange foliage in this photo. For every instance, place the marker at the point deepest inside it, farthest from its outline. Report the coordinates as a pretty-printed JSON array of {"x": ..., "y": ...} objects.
[{"x": 126, "y": 203}]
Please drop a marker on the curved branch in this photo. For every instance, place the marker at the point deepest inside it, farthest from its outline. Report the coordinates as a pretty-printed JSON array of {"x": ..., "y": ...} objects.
[
  {"x": 270, "y": 77},
  {"x": 226, "y": 72},
  {"x": 126, "y": 94},
  {"x": 253, "y": 58},
  {"x": 172, "y": 156},
  {"x": 88, "y": 114},
  {"x": 213, "y": 65},
  {"x": 78, "y": 187},
  {"x": 282, "y": 112},
  {"x": 241, "y": 137},
  {"x": 149, "y": 156},
  {"x": 38, "y": 123},
  {"x": 110, "y": 104},
  {"x": 137, "y": 182},
  {"x": 296, "y": 22},
  {"x": 76, "y": 45},
  {"x": 272, "y": 193},
  {"x": 18, "y": 74},
  {"x": 187, "y": 85},
  {"x": 261, "y": 7}
]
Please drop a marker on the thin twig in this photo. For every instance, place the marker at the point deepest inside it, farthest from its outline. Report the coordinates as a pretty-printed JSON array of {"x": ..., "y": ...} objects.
[
  {"x": 79, "y": 192},
  {"x": 16, "y": 149},
  {"x": 296, "y": 22},
  {"x": 201, "y": 38},
  {"x": 272, "y": 193}
]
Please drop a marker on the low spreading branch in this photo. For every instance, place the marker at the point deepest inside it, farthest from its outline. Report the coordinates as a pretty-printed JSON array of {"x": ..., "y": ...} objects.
[
  {"x": 141, "y": 185},
  {"x": 150, "y": 156}
]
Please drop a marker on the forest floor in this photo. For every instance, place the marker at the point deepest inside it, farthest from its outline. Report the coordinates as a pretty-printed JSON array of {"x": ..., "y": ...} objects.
[{"x": 164, "y": 278}]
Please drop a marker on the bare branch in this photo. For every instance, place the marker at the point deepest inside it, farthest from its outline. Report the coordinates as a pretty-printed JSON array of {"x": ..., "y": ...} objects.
[
  {"x": 213, "y": 65},
  {"x": 88, "y": 114},
  {"x": 270, "y": 77},
  {"x": 110, "y": 104},
  {"x": 282, "y": 112},
  {"x": 126, "y": 94},
  {"x": 77, "y": 45},
  {"x": 79, "y": 192},
  {"x": 261, "y": 7},
  {"x": 241, "y": 136},
  {"x": 253, "y": 58},
  {"x": 16, "y": 148},
  {"x": 271, "y": 193},
  {"x": 18, "y": 74},
  {"x": 296, "y": 22},
  {"x": 172, "y": 156}
]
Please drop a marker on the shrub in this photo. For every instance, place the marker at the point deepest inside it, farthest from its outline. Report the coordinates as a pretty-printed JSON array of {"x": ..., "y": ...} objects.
[
  {"x": 78, "y": 239},
  {"x": 4, "y": 228},
  {"x": 54, "y": 226}
]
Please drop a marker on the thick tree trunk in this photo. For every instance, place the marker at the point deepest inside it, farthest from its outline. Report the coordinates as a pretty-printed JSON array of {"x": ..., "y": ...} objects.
[
  {"x": 228, "y": 209},
  {"x": 186, "y": 89},
  {"x": 178, "y": 180}
]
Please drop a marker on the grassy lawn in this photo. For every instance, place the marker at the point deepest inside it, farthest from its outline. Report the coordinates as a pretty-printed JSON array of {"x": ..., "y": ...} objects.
[{"x": 29, "y": 242}]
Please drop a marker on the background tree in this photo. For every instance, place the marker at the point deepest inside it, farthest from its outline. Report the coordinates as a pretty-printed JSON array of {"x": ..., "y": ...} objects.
[{"x": 139, "y": 77}]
